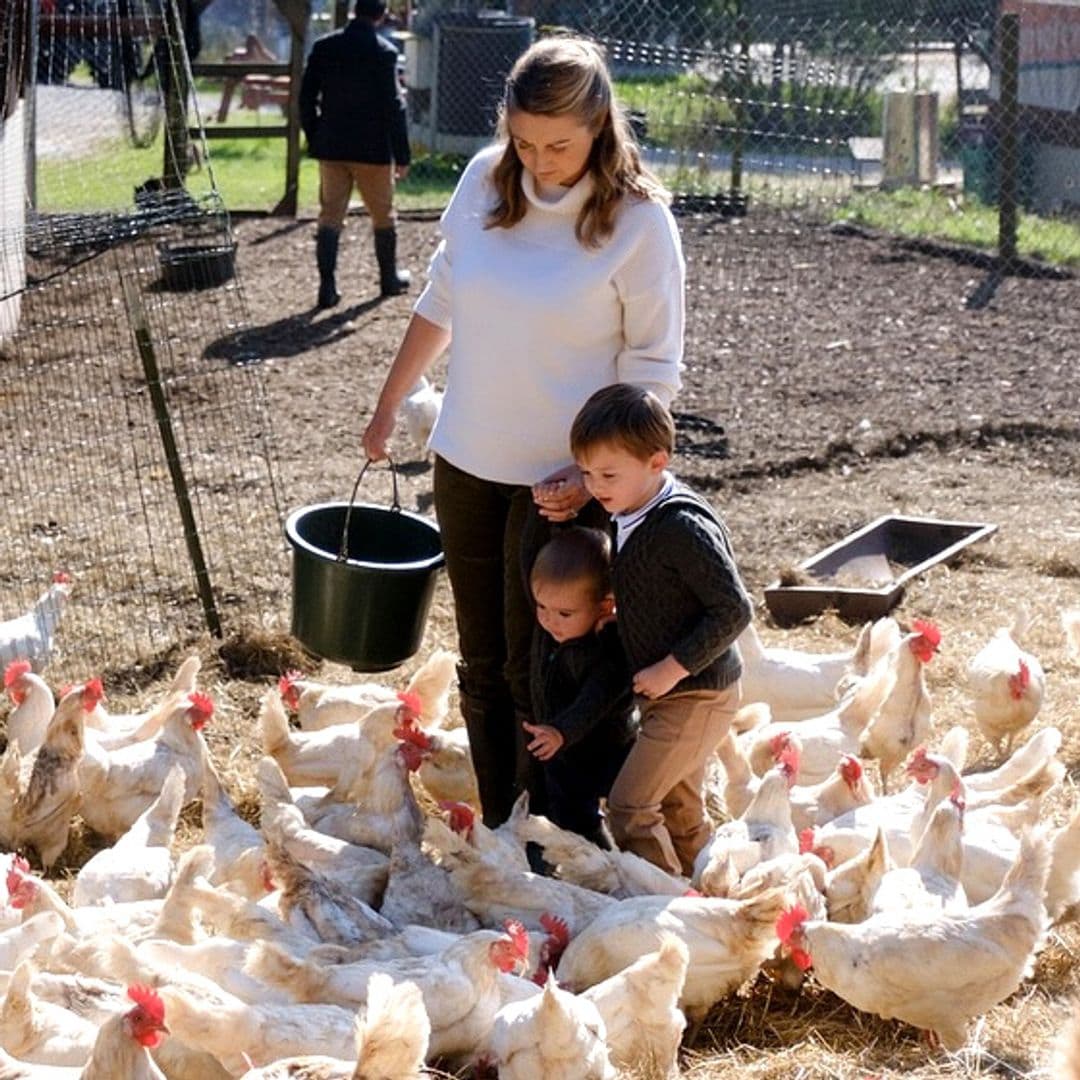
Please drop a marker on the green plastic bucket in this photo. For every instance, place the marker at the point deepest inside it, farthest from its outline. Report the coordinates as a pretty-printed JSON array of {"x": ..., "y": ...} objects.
[{"x": 362, "y": 580}]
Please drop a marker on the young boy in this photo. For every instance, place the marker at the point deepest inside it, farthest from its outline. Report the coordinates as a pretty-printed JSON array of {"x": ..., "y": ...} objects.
[
  {"x": 681, "y": 605},
  {"x": 582, "y": 704}
]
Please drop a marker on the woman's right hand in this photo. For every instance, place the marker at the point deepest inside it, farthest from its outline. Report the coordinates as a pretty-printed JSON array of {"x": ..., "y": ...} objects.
[{"x": 377, "y": 434}]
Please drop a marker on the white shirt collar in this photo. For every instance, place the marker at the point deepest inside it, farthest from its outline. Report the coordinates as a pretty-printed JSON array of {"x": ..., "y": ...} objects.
[
  {"x": 625, "y": 524},
  {"x": 570, "y": 204}
]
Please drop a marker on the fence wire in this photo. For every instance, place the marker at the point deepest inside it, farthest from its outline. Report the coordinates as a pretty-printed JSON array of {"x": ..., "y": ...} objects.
[{"x": 135, "y": 462}]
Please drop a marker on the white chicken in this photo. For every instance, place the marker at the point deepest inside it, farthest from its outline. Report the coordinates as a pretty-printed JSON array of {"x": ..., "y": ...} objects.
[
  {"x": 616, "y": 873},
  {"x": 240, "y": 1035},
  {"x": 933, "y": 877},
  {"x": 392, "y": 1036},
  {"x": 447, "y": 771},
  {"x": 139, "y": 865},
  {"x": 337, "y": 915},
  {"x": 797, "y": 684},
  {"x": 764, "y": 831},
  {"x": 118, "y": 786},
  {"x": 32, "y": 635},
  {"x": 111, "y": 731},
  {"x": 934, "y": 969},
  {"x": 820, "y": 803},
  {"x": 382, "y": 810},
  {"x": 318, "y": 705},
  {"x": 239, "y": 848},
  {"x": 1007, "y": 685},
  {"x": 420, "y": 410},
  {"x": 44, "y": 789},
  {"x": 121, "y": 1048},
  {"x": 39, "y": 1032},
  {"x": 460, "y": 985},
  {"x": 496, "y": 890},
  {"x": 554, "y": 1033},
  {"x": 902, "y": 721},
  {"x": 21, "y": 942},
  {"x": 727, "y": 941},
  {"x": 34, "y": 706},
  {"x": 639, "y": 1006},
  {"x": 824, "y": 738}
]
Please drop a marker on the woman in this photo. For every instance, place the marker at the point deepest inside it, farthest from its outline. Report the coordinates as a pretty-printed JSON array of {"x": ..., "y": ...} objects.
[{"x": 559, "y": 271}]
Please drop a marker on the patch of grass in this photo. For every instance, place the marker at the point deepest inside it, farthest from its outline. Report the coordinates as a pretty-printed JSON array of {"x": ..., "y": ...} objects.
[
  {"x": 961, "y": 219},
  {"x": 249, "y": 173}
]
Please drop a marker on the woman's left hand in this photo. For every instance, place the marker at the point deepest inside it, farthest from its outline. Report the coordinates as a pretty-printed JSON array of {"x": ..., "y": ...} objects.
[{"x": 560, "y": 496}]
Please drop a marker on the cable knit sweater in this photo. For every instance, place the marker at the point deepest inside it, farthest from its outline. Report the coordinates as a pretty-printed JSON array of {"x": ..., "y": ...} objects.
[
  {"x": 539, "y": 322},
  {"x": 678, "y": 591}
]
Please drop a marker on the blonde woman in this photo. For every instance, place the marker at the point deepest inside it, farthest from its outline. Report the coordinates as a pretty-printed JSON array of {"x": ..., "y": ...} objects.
[{"x": 559, "y": 271}]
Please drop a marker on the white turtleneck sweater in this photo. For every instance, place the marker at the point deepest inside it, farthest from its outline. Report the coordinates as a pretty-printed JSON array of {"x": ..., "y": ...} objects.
[{"x": 538, "y": 322}]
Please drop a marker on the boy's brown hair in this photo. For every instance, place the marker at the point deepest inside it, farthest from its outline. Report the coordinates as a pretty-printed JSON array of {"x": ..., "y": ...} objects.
[
  {"x": 576, "y": 554},
  {"x": 623, "y": 415}
]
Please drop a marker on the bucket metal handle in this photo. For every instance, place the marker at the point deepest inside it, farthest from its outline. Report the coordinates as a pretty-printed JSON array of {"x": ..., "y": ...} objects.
[{"x": 395, "y": 505}]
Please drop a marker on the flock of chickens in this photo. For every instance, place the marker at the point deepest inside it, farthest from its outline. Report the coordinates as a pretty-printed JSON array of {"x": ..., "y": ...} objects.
[{"x": 373, "y": 926}]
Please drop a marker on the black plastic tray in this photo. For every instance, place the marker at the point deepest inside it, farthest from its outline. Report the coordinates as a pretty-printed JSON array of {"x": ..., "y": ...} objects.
[{"x": 898, "y": 547}]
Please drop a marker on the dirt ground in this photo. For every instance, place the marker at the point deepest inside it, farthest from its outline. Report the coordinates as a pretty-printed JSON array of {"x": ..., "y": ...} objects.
[{"x": 830, "y": 378}]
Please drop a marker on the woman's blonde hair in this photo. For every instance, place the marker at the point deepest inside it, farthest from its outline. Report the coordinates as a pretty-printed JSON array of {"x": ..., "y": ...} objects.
[{"x": 568, "y": 76}]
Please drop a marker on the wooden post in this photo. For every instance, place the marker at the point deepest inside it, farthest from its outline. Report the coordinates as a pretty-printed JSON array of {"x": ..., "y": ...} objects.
[
  {"x": 177, "y": 88},
  {"x": 297, "y": 14},
  {"x": 1008, "y": 136},
  {"x": 140, "y": 327}
]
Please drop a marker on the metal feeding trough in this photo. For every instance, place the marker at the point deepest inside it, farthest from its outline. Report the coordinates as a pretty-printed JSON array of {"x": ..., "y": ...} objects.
[{"x": 863, "y": 575}]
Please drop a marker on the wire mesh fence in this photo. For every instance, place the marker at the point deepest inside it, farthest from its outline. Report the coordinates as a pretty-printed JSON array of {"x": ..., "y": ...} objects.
[{"x": 135, "y": 462}]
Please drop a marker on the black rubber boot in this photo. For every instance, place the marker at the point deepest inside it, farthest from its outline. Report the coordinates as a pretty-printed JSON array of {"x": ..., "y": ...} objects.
[
  {"x": 392, "y": 281},
  {"x": 326, "y": 252}
]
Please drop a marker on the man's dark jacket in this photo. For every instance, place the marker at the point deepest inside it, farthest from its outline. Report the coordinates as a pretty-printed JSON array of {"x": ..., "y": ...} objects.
[{"x": 351, "y": 107}]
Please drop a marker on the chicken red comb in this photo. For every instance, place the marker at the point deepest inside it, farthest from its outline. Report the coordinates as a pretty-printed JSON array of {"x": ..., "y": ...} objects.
[
  {"x": 925, "y": 644},
  {"x": 556, "y": 928},
  {"x": 408, "y": 730},
  {"x": 462, "y": 815},
  {"x": 850, "y": 769},
  {"x": 149, "y": 1000},
  {"x": 200, "y": 709},
  {"x": 410, "y": 699},
  {"x": 807, "y": 840},
  {"x": 789, "y": 760},
  {"x": 778, "y": 742},
  {"x": 519, "y": 937},
  {"x": 61, "y": 578},
  {"x": 789, "y": 922},
  {"x": 285, "y": 683},
  {"x": 92, "y": 693},
  {"x": 15, "y": 671},
  {"x": 17, "y": 873}
]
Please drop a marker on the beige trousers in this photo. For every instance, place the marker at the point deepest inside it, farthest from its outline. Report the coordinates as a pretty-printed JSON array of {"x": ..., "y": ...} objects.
[
  {"x": 656, "y": 807},
  {"x": 374, "y": 182}
]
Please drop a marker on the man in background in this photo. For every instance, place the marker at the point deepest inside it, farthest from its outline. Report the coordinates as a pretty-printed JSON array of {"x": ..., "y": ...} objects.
[{"x": 353, "y": 114}]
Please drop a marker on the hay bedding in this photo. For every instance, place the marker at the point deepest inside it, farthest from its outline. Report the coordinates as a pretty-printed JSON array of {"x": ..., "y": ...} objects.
[{"x": 814, "y": 402}]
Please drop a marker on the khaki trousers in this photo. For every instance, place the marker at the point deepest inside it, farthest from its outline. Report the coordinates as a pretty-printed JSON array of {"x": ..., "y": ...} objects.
[
  {"x": 656, "y": 808},
  {"x": 374, "y": 182}
]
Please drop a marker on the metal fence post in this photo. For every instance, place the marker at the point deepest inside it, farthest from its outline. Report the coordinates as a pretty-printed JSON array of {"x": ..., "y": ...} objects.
[
  {"x": 1009, "y": 136},
  {"x": 141, "y": 329}
]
